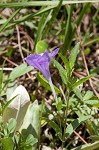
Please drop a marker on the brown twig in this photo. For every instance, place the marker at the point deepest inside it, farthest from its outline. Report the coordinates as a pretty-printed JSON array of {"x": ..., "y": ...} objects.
[
  {"x": 84, "y": 59},
  {"x": 27, "y": 36},
  {"x": 77, "y": 74},
  {"x": 11, "y": 62},
  {"x": 18, "y": 33},
  {"x": 83, "y": 74},
  {"x": 8, "y": 60},
  {"x": 80, "y": 137}
]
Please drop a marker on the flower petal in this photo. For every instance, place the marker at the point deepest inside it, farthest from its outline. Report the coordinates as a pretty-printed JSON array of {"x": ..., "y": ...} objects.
[
  {"x": 44, "y": 58},
  {"x": 31, "y": 58},
  {"x": 53, "y": 53},
  {"x": 42, "y": 61}
]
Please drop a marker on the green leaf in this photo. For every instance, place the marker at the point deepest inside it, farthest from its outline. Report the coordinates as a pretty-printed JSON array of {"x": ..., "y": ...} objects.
[
  {"x": 59, "y": 104},
  {"x": 18, "y": 107},
  {"x": 81, "y": 81},
  {"x": 11, "y": 86},
  {"x": 31, "y": 122},
  {"x": 73, "y": 56},
  {"x": 31, "y": 140},
  {"x": 41, "y": 46},
  {"x": 66, "y": 62},
  {"x": 8, "y": 102},
  {"x": 78, "y": 93},
  {"x": 45, "y": 83},
  {"x": 7, "y": 143},
  {"x": 11, "y": 125},
  {"x": 55, "y": 127},
  {"x": 19, "y": 71},
  {"x": 90, "y": 146},
  {"x": 88, "y": 95},
  {"x": 92, "y": 102},
  {"x": 61, "y": 70},
  {"x": 94, "y": 137},
  {"x": 74, "y": 124},
  {"x": 1, "y": 80},
  {"x": 92, "y": 127}
]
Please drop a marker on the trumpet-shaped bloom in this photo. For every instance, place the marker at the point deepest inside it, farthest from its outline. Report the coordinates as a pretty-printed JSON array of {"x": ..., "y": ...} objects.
[{"x": 42, "y": 61}]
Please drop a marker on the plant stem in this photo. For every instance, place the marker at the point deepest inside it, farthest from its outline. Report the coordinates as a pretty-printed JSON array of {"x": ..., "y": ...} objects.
[
  {"x": 42, "y": 106},
  {"x": 53, "y": 90},
  {"x": 65, "y": 118}
]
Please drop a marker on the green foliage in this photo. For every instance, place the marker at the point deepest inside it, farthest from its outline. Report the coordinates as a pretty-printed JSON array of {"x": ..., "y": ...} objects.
[
  {"x": 19, "y": 71},
  {"x": 59, "y": 104},
  {"x": 74, "y": 124},
  {"x": 43, "y": 21},
  {"x": 81, "y": 81},
  {"x": 61, "y": 70},
  {"x": 7, "y": 143},
  {"x": 55, "y": 127},
  {"x": 45, "y": 121},
  {"x": 45, "y": 83},
  {"x": 7, "y": 104},
  {"x": 1, "y": 80},
  {"x": 73, "y": 56},
  {"x": 17, "y": 106},
  {"x": 90, "y": 146},
  {"x": 66, "y": 63},
  {"x": 41, "y": 46}
]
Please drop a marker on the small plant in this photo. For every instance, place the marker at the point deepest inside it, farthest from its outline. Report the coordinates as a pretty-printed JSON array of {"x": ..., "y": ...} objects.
[{"x": 49, "y": 100}]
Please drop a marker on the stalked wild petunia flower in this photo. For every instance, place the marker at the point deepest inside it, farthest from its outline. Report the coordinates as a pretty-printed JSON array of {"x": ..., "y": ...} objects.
[{"x": 42, "y": 62}]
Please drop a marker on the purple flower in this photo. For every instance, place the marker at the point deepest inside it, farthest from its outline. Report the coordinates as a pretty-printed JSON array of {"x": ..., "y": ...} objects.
[{"x": 42, "y": 61}]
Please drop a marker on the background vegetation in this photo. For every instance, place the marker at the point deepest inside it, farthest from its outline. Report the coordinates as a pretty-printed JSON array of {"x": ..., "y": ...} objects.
[{"x": 31, "y": 118}]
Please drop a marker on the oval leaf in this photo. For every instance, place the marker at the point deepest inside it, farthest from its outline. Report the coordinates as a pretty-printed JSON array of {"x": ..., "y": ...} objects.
[
  {"x": 19, "y": 71},
  {"x": 18, "y": 107}
]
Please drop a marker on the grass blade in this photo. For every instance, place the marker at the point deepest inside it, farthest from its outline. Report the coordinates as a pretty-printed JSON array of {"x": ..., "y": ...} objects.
[
  {"x": 54, "y": 15},
  {"x": 7, "y": 22},
  {"x": 29, "y": 16},
  {"x": 68, "y": 29},
  {"x": 43, "y": 21},
  {"x": 43, "y": 3},
  {"x": 85, "y": 7}
]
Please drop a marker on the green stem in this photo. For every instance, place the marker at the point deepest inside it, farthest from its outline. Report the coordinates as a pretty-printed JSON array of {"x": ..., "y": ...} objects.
[
  {"x": 65, "y": 118},
  {"x": 42, "y": 106},
  {"x": 53, "y": 90}
]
